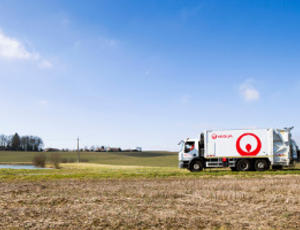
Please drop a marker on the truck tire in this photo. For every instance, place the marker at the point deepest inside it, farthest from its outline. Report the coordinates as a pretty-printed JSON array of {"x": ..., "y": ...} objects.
[
  {"x": 196, "y": 166},
  {"x": 243, "y": 165},
  {"x": 261, "y": 165}
]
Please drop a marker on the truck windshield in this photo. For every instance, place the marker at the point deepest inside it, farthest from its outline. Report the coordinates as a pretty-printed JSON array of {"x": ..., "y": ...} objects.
[{"x": 189, "y": 146}]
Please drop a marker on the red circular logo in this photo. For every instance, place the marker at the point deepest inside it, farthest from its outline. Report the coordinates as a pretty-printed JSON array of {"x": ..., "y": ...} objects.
[
  {"x": 214, "y": 136},
  {"x": 248, "y": 146}
]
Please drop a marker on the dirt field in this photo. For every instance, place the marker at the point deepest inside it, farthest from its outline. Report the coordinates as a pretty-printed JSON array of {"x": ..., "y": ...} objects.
[{"x": 271, "y": 202}]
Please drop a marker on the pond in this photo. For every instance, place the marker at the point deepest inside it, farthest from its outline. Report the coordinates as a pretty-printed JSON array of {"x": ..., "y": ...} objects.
[{"x": 19, "y": 167}]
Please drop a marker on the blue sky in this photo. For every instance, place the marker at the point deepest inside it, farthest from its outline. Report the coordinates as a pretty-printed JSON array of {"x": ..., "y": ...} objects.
[{"x": 147, "y": 73}]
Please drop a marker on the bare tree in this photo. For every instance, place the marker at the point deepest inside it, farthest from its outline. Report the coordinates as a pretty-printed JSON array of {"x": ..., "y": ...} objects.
[
  {"x": 24, "y": 143},
  {"x": 16, "y": 142},
  {"x": 3, "y": 142}
]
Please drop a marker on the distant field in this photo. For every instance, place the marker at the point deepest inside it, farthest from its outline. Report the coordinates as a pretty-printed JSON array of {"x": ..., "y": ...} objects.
[{"x": 154, "y": 158}]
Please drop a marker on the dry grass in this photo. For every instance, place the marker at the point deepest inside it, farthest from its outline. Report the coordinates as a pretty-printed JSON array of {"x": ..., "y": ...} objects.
[{"x": 270, "y": 202}]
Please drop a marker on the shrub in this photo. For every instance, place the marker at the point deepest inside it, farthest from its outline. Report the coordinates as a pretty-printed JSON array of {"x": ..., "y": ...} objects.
[
  {"x": 64, "y": 160},
  {"x": 71, "y": 160},
  {"x": 39, "y": 160},
  {"x": 55, "y": 159}
]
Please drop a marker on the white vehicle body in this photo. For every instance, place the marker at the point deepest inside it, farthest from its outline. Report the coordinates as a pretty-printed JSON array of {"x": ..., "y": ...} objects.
[{"x": 224, "y": 148}]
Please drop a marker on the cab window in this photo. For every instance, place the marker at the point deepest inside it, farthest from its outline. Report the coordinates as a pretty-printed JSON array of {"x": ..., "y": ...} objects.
[{"x": 189, "y": 146}]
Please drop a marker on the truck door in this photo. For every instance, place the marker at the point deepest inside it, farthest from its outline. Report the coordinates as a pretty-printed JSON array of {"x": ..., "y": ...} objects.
[{"x": 190, "y": 150}]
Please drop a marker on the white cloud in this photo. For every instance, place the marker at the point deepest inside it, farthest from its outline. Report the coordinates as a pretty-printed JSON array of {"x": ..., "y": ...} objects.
[
  {"x": 12, "y": 49},
  {"x": 248, "y": 91}
]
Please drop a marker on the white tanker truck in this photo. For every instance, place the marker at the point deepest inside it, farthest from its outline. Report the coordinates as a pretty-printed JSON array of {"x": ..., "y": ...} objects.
[{"x": 241, "y": 150}]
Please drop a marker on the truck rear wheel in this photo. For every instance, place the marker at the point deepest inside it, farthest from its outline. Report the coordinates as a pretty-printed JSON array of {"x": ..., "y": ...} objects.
[
  {"x": 243, "y": 165},
  {"x": 196, "y": 166},
  {"x": 261, "y": 165}
]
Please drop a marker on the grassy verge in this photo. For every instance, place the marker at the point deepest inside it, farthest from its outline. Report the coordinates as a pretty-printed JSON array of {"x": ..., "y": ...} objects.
[{"x": 98, "y": 171}]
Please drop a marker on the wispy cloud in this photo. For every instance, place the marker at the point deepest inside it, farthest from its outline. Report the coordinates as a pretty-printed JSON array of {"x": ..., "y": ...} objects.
[
  {"x": 147, "y": 72},
  {"x": 44, "y": 64},
  {"x": 185, "y": 99},
  {"x": 109, "y": 42},
  {"x": 13, "y": 49},
  {"x": 248, "y": 91},
  {"x": 189, "y": 12},
  {"x": 43, "y": 102},
  {"x": 76, "y": 44},
  {"x": 65, "y": 21}
]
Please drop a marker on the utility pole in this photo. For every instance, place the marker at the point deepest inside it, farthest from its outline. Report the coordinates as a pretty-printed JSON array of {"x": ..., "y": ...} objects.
[{"x": 78, "y": 152}]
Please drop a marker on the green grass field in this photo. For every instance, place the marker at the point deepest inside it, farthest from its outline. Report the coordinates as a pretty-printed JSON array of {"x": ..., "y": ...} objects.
[{"x": 155, "y": 158}]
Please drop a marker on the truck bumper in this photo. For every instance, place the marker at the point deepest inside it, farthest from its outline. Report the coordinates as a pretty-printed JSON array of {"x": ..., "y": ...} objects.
[{"x": 183, "y": 164}]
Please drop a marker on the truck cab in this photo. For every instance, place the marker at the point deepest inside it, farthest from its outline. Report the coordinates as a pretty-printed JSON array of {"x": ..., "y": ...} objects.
[{"x": 191, "y": 151}]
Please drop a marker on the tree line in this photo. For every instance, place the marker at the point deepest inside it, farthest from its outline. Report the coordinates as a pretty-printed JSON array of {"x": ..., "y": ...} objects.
[{"x": 21, "y": 143}]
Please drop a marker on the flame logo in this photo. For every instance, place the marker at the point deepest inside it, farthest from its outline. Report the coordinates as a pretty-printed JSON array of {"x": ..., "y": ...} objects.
[{"x": 248, "y": 146}]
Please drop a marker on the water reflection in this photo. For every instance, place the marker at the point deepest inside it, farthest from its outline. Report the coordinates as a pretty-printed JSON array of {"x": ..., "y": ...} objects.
[{"x": 19, "y": 167}]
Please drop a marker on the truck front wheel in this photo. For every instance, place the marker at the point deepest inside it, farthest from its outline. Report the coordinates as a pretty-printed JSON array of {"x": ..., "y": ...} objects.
[
  {"x": 196, "y": 166},
  {"x": 243, "y": 165},
  {"x": 261, "y": 165}
]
